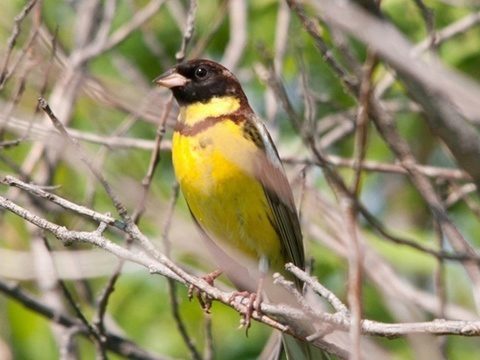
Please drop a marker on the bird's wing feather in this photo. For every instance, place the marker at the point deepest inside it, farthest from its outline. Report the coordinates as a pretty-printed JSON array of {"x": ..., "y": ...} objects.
[{"x": 270, "y": 173}]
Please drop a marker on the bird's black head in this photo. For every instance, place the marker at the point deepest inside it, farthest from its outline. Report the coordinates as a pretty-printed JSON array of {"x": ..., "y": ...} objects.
[{"x": 200, "y": 80}]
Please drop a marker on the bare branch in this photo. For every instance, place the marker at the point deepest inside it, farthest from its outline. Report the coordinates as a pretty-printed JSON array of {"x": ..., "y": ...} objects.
[
  {"x": 318, "y": 288},
  {"x": 102, "y": 44},
  {"x": 114, "y": 343},
  {"x": 237, "y": 10},
  {"x": 375, "y": 166},
  {"x": 165, "y": 267},
  {"x": 38, "y": 191},
  {"x": 188, "y": 33},
  {"x": 4, "y": 72}
]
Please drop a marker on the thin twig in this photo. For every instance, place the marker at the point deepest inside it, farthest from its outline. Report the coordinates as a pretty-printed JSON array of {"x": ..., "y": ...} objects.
[
  {"x": 21, "y": 84},
  {"x": 202, "y": 42},
  {"x": 312, "y": 28},
  {"x": 355, "y": 254},
  {"x": 208, "y": 353},
  {"x": 122, "y": 211},
  {"x": 96, "y": 48},
  {"x": 66, "y": 204},
  {"x": 188, "y": 33},
  {"x": 237, "y": 13},
  {"x": 318, "y": 288},
  {"x": 111, "y": 141},
  {"x": 154, "y": 161},
  {"x": 355, "y": 259},
  {"x": 50, "y": 65},
  {"x": 104, "y": 297},
  {"x": 94, "y": 335},
  {"x": 429, "y": 18},
  {"x": 109, "y": 288},
  {"x": 4, "y": 73},
  {"x": 114, "y": 343},
  {"x": 172, "y": 285},
  {"x": 361, "y": 133},
  {"x": 67, "y": 345},
  {"x": 375, "y": 166},
  {"x": 439, "y": 281}
]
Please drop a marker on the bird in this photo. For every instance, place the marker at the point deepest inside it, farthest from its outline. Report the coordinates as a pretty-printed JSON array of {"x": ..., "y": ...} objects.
[{"x": 231, "y": 175}]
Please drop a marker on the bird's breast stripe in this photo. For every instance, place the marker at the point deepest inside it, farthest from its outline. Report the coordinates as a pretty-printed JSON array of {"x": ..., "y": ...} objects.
[{"x": 202, "y": 125}]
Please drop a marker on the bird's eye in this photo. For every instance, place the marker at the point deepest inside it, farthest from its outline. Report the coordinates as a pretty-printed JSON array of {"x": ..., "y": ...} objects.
[{"x": 201, "y": 72}]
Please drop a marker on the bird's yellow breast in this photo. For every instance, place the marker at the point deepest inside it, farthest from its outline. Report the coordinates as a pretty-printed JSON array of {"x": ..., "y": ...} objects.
[{"x": 215, "y": 170}]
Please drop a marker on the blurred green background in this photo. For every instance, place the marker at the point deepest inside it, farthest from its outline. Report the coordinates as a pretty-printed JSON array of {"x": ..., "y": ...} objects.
[{"x": 140, "y": 305}]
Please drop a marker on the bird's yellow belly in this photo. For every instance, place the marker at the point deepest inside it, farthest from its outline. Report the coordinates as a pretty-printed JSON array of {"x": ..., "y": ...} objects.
[{"x": 225, "y": 198}]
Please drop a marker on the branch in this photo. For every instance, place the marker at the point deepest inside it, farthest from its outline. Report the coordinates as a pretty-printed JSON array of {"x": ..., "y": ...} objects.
[
  {"x": 447, "y": 98},
  {"x": 188, "y": 33},
  {"x": 376, "y": 166},
  {"x": 161, "y": 264},
  {"x": 43, "y": 132},
  {"x": 389, "y": 44},
  {"x": 82, "y": 210},
  {"x": 5, "y": 72},
  {"x": 338, "y": 185},
  {"x": 318, "y": 288},
  {"x": 98, "y": 47},
  {"x": 237, "y": 13},
  {"x": 113, "y": 343},
  {"x": 448, "y": 32},
  {"x": 268, "y": 311}
]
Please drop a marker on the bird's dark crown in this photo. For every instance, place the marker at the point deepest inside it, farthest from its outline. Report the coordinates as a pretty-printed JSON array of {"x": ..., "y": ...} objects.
[{"x": 206, "y": 79}]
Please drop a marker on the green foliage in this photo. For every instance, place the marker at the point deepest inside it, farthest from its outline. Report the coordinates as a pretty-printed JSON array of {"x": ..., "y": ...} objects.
[{"x": 29, "y": 334}]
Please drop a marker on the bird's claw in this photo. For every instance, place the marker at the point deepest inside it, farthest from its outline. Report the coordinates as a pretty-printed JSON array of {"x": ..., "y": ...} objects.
[
  {"x": 204, "y": 300},
  {"x": 253, "y": 304}
]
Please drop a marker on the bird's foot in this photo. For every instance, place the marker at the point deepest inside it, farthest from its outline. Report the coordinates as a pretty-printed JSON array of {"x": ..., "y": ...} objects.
[
  {"x": 253, "y": 304},
  {"x": 204, "y": 300}
]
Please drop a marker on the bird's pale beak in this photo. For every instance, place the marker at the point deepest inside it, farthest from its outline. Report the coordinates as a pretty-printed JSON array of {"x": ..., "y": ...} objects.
[{"x": 171, "y": 79}]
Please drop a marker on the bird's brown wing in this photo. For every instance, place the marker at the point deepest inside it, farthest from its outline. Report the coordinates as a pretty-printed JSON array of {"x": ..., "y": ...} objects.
[{"x": 269, "y": 171}]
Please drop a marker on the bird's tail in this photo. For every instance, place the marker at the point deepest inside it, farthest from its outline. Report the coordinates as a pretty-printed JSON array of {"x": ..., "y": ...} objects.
[
  {"x": 295, "y": 349},
  {"x": 286, "y": 347}
]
